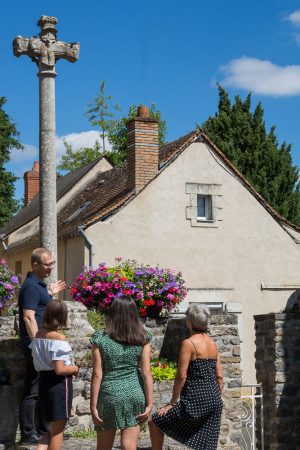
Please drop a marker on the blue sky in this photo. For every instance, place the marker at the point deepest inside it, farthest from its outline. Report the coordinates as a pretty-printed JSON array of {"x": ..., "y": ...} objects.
[{"x": 168, "y": 52}]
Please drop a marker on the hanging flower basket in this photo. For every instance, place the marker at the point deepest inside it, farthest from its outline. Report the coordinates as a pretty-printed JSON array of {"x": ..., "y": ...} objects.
[
  {"x": 156, "y": 291},
  {"x": 9, "y": 283}
]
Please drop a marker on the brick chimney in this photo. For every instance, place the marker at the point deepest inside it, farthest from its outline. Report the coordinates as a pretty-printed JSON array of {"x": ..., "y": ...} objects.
[
  {"x": 31, "y": 182},
  {"x": 142, "y": 149}
]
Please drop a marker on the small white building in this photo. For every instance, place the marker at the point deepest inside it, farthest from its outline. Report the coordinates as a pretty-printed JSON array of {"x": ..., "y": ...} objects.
[{"x": 183, "y": 206}]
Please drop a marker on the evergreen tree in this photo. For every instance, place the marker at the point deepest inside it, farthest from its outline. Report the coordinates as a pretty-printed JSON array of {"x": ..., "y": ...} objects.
[
  {"x": 8, "y": 140},
  {"x": 242, "y": 136}
]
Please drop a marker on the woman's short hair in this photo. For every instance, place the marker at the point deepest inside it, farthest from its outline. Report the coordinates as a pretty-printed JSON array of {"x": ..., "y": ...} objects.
[
  {"x": 124, "y": 324},
  {"x": 55, "y": 315},
  {"x": 199, "y": 316}
]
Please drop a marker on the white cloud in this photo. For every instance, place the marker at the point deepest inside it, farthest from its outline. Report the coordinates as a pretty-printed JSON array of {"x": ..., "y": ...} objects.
[
  {"x": 297, "y": 38},
  {"x": 77, "y": 140},
  {"x": 294, "y": 18},
  {"x": 30, "y": 153},
  {"x": 262, "y": 77}
]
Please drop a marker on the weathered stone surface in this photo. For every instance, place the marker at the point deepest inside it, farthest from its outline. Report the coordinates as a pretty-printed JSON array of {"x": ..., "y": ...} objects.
[
  {"x": 44, "y": 50},
  {"x": 277, "y": 364},
  {"x": 81, "y": 419}
]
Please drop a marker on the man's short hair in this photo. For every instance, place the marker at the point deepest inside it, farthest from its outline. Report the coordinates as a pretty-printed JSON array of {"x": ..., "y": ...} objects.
[{"x": 38, "y": 253}]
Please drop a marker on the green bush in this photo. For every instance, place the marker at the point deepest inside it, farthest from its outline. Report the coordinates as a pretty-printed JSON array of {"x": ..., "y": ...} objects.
[
  {"x": 96, "y": 319},
  {"x": 163, "y": 370}
]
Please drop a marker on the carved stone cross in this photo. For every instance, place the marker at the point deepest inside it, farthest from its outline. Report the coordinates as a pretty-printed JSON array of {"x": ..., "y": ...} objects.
[{"x": 45, "y": 50}]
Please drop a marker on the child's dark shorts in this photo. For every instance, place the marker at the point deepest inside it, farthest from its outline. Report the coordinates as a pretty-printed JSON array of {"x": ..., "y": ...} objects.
[{"x": 55, "y": 395}]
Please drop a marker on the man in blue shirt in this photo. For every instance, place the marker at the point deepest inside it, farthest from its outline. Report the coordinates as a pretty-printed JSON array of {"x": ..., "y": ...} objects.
[{"x": 33, "y": 298}]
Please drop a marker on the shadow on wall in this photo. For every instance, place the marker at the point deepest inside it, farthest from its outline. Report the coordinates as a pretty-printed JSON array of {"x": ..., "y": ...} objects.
[
  {"x": 278, "y": 369},
  {"x": 175, "y": 333},
  {"x": 288, "y": 376},
  {"x": 11, "y": 386}
]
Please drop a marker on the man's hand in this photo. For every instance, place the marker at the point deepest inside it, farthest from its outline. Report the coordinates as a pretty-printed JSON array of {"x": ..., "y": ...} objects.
[{"x": 55, "y": 288}]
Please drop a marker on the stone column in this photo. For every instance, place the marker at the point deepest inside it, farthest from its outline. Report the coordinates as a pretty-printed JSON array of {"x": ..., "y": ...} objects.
[
  {"x": 45, "y": 50},
  {"x": 48, "y": 217}
]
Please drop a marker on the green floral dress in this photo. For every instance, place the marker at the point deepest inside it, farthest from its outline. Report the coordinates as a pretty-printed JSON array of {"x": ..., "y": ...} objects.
[{"x": 121, "y": 397}]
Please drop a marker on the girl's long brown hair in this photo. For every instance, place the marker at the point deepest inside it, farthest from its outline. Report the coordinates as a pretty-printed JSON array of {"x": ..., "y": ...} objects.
[
  {"x": 124, "y": 324},
  {"x": 55, "y": 315}
]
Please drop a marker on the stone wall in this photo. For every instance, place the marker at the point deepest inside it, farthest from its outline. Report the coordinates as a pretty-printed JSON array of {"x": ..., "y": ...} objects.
[
  {"x": 278, "y": 369},
  {"x": 223, "y": 329}
]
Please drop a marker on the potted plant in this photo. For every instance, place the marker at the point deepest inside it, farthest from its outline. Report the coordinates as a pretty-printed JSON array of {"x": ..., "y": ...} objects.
[{"x": 9, "y": 283}]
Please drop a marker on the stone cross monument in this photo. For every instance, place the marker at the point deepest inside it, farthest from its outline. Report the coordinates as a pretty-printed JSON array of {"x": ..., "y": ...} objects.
[{"x": 45, "y": 50}]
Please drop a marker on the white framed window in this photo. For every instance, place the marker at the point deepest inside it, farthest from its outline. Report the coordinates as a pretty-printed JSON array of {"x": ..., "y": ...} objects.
[
  {"x": 205, "y": 204},
  {"x": 204, "y": 207}
]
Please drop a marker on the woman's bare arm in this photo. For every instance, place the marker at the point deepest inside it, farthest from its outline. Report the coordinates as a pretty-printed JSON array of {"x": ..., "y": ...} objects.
[
  {"x": 219, "y": 373},
  {"x": 96, "y": 383},
  {"x": 148, "y": 382},
  {"x": 183, "y": 363}
]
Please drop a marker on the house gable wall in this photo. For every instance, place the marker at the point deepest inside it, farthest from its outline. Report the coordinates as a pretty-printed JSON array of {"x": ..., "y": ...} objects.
[{"x": 247, "y": 248}]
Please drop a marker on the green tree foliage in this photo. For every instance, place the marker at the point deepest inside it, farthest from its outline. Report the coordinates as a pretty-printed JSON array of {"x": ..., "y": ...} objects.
[
  {"x": 73, "y": 159},
  {"x": 100, "y": 112},
  {"x": 117, "y": 133},
  {"x": 8, "y": 141},
  {"x": 241, "y": 134}
]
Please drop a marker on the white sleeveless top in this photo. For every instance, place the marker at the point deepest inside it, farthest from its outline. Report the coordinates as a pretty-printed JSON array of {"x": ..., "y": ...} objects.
[{"x": 46, "y": 351}]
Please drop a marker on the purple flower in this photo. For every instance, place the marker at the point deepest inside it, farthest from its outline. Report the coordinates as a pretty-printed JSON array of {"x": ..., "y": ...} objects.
[{"x": 14, "y": 279}]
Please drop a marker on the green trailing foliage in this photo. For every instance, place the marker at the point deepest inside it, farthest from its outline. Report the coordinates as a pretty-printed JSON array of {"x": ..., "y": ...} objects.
[
  {"x": 96, "y": 319},
  {"x": 163, "y": 370},
  {"x": 8, "y": 141},
  {"x": 242, "y": 136}
]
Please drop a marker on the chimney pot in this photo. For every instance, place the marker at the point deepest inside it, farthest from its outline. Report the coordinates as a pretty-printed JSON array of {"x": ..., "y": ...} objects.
[
  {"x": 143, "y": 111},
  {"x": 36, "y": 166}
]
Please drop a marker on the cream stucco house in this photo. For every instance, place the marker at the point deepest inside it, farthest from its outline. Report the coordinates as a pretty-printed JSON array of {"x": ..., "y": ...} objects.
[{"x": 183, "y": 206}]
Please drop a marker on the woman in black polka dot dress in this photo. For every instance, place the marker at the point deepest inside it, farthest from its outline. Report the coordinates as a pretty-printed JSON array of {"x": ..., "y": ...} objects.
[{"x": 193, "y": 414}]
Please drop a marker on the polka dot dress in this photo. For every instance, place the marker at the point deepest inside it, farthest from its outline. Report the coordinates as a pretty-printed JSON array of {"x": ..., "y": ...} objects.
[
  {"x": 195, "y": 420},
  {"x": 121, "y": 396}
]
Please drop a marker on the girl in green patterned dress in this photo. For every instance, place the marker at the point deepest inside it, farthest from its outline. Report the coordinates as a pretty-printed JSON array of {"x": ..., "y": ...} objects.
[{"x": 122, "y": 385}]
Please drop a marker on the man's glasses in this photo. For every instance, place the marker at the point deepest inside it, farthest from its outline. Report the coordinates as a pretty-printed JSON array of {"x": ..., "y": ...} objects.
[{"x": 48, "y": 265}]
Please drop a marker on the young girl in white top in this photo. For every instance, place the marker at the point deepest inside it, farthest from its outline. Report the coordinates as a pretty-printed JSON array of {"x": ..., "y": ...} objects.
[{"x": 51, "y": 357}]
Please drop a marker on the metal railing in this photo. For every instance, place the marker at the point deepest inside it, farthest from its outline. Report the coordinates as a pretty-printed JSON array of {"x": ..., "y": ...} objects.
[{"x": 252, "y": 417}]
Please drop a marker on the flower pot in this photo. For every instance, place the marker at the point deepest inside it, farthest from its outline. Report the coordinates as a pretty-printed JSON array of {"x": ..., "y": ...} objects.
[{"x": 154, "y": 311}]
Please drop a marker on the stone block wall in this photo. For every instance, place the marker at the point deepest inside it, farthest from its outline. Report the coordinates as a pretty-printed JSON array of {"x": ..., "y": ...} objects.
[
  {"x": 278, "y": 369},
  {"x": 223, "y": 329}
]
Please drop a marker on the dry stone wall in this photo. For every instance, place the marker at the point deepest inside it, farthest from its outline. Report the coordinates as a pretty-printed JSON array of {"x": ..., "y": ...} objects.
[
  {"x": 166, "y": 340},
  {"x": 278, "y": 369}
]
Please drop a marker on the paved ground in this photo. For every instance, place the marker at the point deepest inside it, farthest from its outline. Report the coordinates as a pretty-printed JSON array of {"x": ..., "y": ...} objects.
[{"x": 90, "y": 444}]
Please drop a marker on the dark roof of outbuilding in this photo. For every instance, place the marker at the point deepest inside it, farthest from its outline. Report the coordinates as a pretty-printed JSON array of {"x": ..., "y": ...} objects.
[{"x": 32, "y": 210}]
